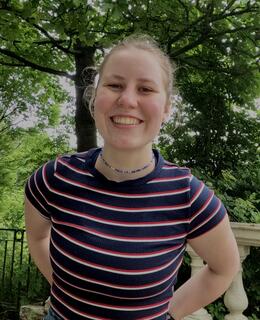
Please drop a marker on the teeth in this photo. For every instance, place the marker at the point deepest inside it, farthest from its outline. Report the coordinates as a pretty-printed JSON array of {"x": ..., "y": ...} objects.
[{"x": 125, "y": 120}]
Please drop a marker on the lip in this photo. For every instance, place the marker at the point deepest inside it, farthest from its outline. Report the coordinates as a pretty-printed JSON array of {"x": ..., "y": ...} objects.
[{"x": 122, "y": 125}]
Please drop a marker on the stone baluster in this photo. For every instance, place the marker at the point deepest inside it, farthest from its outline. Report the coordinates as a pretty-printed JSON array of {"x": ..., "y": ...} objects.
[
  {"x": 235, "y": 298},
  {"x": 196, "y": 265}
]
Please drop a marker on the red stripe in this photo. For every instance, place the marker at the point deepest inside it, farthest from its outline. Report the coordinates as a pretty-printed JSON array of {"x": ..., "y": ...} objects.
[
  {"x": 201, "y": 186},
  {"x": 116, "y": 237},
  {"x": 152, "y": 316},
  {"x": 110, "y": 295},
  {"x": 204, "y": 205},
  {"x": 117, "y": 222},
  {"x": 171, "y": 178},
  {"x": 109, "y": 206},
  {"x": 112, "y": 269},
  {"x": 118, "y": 286},
  {"x": 101, "y": 250},
  {"x": 84, "y": 185},
  {"x": 113, "y": 306}
]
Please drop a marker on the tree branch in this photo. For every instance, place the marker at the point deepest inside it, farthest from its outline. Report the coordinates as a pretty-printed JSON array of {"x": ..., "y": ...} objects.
[
  {"x": 208, "y": 66},
  {"x": 188, "y": 47},
  {"x": 205, "y": 37},
  {"x": 186, "y": 9},
  {"x": 3, "y": 63},
  {"x": 229, "y": 5},
  {"x": 209, "y": 18},
  {"x": 217, "y": 34},
  {"x": 221, "y": 16},
  {"x": 55, "y": 42},
  {"x": 27, "y": 63}
]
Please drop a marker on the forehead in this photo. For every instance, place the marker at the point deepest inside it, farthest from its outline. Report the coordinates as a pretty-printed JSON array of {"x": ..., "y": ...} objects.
[{"x": 133, "y": 62}]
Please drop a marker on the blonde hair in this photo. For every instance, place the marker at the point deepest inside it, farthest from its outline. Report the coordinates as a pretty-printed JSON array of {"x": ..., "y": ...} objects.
[{"x": 142, "y": 42}]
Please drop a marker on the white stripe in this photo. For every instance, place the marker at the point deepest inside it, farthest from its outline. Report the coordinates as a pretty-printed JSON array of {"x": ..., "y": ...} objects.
[
  {"x": 119, "y": 223},
  {"x": 117, "y": 209},
  {"x": 110, "y": 295},
  {"x": 113, "y": 296},
  {"x": 117, "y": 238},
  {"x": 75, "y": 169},
  {"x": 74, "y": 310},
  {"x": 199, "y": 193},
  {"x": 203, "y": 208},
  {"x": 29, "y": 186},
  {"x": 110, "y": 253},
  {"x": 110, "y": 285},
  {"x": 80, "y": 159},
  {"x": 117, "y": 271},
  {"x": 111, "y": 307},
  {"x": 208, "y": 219},
  {"x": 161, "y": 180},
  {"x": 169, "y": 168},
  {"x": 125, "y": 196}
]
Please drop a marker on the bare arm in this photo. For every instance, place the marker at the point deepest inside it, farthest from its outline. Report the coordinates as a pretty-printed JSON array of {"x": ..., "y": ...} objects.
[
  {"x": 38, "y": 237},
  {"x": 219, "y": 250}
]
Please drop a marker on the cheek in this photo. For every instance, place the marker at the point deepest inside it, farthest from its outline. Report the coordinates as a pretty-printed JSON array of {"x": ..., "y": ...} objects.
[
  {"x": 155, "y": 110},
  {"x": 101, "y": 104}
]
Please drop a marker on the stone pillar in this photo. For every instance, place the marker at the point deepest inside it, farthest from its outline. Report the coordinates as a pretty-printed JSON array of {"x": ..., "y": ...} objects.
[
  {"x": 31, "y": 312},
  {"x": 235, "y": 298},
  {"x": 196, "y": 265},
  {"x": 34, "y": 312}
]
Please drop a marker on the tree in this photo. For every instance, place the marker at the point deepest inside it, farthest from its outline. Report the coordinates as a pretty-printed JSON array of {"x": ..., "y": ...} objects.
[{"x": 64, "y": 38}]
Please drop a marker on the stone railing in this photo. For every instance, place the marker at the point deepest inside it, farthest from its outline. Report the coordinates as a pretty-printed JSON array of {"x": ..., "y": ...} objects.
[{"x": 235, "y": 299}]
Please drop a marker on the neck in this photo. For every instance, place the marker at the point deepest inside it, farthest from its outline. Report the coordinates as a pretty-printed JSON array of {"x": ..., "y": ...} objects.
[{"x": 121, "y": 165}]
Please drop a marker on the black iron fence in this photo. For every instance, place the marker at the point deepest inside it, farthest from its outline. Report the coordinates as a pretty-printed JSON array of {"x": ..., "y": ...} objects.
[{"x": 20, "y": 281}]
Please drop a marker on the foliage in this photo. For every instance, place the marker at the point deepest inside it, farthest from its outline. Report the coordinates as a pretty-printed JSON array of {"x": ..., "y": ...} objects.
[
  {"x": 214, "y": 43},
  {"x": 204, "y": 136},
  {"x": 251, "y": 279},
  {"x": 26, "y": 151},
  {"x": 217, "y": 309}
]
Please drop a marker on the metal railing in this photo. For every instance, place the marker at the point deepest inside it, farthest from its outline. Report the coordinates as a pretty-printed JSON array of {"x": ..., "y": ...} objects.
[{"x": 20, "y": 281}]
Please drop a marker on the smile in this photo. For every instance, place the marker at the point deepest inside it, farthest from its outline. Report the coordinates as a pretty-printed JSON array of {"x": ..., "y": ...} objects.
[{"x": 125, "y": 120}]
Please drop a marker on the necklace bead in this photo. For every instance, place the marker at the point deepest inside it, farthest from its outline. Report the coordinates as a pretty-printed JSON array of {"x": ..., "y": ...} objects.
[{"x": 125, "y": 171}]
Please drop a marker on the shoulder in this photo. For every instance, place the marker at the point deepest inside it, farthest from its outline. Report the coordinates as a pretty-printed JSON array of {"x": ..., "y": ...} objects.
[
  {"x": 49, "y": 168},
  {"x": 77, "y": 158},
  {"x": 175, "y": 169}
]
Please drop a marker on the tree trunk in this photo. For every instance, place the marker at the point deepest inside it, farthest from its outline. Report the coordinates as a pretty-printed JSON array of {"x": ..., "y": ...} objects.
[{"x": 85, "y": 127}]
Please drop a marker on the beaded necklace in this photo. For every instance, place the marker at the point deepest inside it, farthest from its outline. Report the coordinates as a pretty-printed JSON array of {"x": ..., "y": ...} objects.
[{"x": 125, "y": 171}]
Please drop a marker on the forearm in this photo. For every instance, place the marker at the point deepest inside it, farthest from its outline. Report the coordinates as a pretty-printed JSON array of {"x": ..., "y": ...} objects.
[
  {"x": 200, "y": 290},
  {"x": 39, "y": 250}
]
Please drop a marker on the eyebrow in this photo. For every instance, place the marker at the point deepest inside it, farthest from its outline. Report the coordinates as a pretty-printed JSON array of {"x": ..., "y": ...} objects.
[{"x": 116, "y": 76}]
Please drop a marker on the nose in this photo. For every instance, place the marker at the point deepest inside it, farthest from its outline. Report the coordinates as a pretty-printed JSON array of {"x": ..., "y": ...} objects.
[{"x": 128, "y": 98}]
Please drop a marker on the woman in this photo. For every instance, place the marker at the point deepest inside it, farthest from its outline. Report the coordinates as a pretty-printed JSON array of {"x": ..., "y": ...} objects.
[{"x": 108, "y": 227}]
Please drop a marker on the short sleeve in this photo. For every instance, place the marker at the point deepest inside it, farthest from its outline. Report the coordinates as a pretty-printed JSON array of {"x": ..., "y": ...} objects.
[
  {"x": 37, "y": 188},
  {"x": 206, "y": 210}
]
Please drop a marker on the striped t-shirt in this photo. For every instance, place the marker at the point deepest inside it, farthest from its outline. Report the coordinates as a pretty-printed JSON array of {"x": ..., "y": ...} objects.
[{"x": 116, "y": 247}]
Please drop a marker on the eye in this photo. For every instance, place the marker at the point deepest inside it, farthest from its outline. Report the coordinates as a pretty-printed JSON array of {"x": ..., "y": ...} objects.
[
  {"x": 145, "y": 89},
  {"x": 114, "y": 86}
]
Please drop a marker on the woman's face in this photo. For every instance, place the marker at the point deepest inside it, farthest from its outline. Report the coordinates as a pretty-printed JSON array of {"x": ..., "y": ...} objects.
[{"x": 131, "y": 100}]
